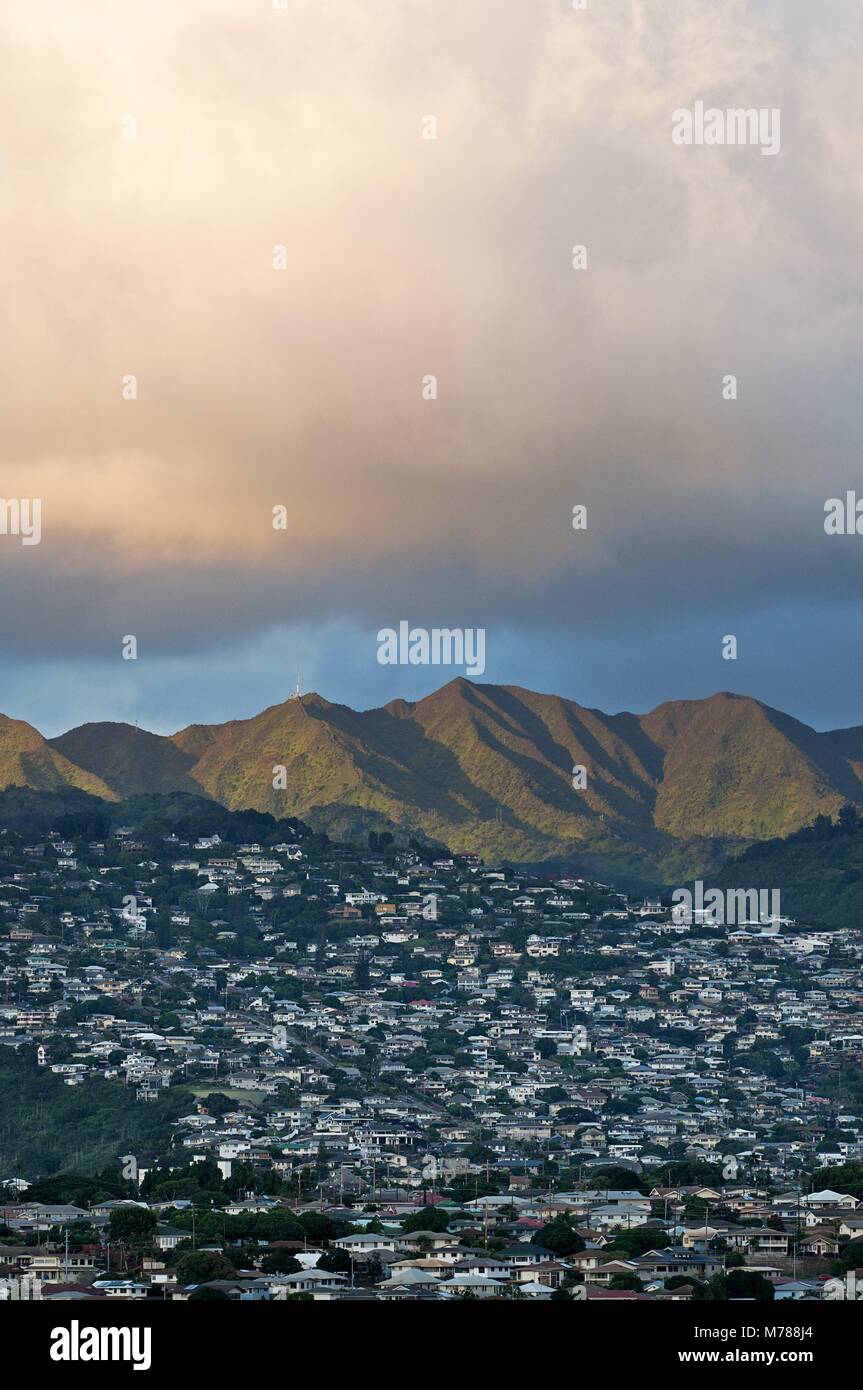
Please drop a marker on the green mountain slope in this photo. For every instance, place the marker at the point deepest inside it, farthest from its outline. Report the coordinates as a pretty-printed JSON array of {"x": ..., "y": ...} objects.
[
  {"x": 27, "y": 760},
  {"x": 735, "y": 767},
  {"x": 127, "y": 759},
  {"x": 489, "y": 769},
  {"x": 818, "y": 872}
]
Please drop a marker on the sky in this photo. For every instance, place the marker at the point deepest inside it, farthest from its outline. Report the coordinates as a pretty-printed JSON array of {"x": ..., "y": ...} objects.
[{"x": 160, "y": 163}]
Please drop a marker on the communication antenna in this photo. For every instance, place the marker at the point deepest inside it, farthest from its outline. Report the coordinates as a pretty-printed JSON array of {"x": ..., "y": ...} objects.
[{"x": 297, "y": 695}]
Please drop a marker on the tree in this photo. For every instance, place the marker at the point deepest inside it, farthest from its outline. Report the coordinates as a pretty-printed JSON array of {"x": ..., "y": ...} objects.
[
  {"x": 318, "y": 1227},
  {"x": 849, "y": 1257},
  {"x": 552, "y": 1095},
  {"x": 637, "y": 1241},
  {"x": 426, "y": 1219},
  {"x": 335, "y": 1261},
  {"x": 681, "y": 1281},
  {"x": 134, "y": 1225},
  {"x": 200, "y": 1266},
  {"x": 280, "y": 1262},
  {"x": 626, "y": 1281},
  {"x": 217, "y": 1104},
  {"x": 741, "y": 1283},
  {"x": 624, "y": 1179},
  {"x": 559, "y": 1237}
]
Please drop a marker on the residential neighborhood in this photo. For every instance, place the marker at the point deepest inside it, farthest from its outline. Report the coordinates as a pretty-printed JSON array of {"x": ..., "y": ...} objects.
[{"x": 340, "y": 1072}]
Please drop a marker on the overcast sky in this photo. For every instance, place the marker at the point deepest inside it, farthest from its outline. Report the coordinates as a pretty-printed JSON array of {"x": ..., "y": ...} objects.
[{"x": 255, "y": 128}]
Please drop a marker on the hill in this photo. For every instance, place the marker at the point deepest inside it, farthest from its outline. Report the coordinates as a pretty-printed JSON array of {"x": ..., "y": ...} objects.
[
  {"x": 52, "y": 1127},
  {"x": 818, "y": 870},
  {"x": 28, "y": 760},
  {"x": 128, "y": 760},
  {"x": 487, "y": 769}
]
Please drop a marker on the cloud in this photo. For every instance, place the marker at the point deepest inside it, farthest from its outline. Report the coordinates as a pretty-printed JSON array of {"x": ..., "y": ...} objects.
[{"x": 257, "y": 387}]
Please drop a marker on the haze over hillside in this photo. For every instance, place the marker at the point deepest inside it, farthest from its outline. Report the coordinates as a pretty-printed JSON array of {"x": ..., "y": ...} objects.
[{"x": 486, "y": 768}]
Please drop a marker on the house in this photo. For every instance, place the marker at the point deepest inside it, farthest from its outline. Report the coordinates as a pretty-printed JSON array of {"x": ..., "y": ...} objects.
[
  {"x": 167, "y": 1237},
  {"x": 364, "y": 1245},
  {"x": 827, "y": 1198},
  {"x": 821, "y": 1243},
  {"x": 121, "y": 1288},
  {"x": 676, "y": 1260},
  {"x": 485, "y": 1265},
  {"x": 524, "y": 1255},
  {"x": 479, "y": 1285},
  {"x": 72, "y": 1293},
  {"x": 769, "y": 1242},
  {"x": 850, "y": 1287},
  {"x": 534, "y": 1289},
  {"x": 699, "y": 1237},
  {"x": 251, "y": 1206},
  {"x": 550, "y": 1273},
  {"x": 313, "y": 1281},
  {"x": 58, "y": 1268},
  {"x": 40, "y": 1216},
  {"x": 594, "y": 1294},
  {"x": 407, "y": 1281},
  {"x": 586, "y": 1260},
  {"x": 623, "y": 1216},
  {"x": 604, "y": 1273},
  {"x": 421, "y": 1240},
  {"x": 784, "y": 1289}
]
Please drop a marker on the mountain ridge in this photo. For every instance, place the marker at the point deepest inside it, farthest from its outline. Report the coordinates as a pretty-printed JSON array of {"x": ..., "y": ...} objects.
[{"x": 487, "y": 769}]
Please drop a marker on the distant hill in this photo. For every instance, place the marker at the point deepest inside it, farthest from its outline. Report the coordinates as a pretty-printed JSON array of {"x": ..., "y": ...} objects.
[
  {"x": 488, "y": 769},
  {"x": 28, "y": 760},
  {"x": 127, "y": 759},
  {"x": 818, "y": 871}
]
